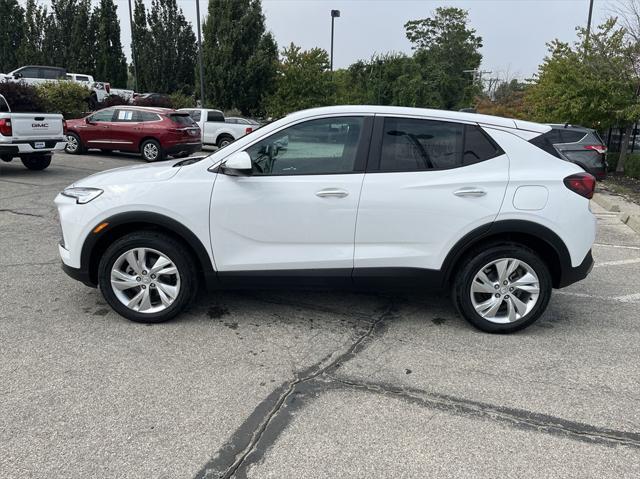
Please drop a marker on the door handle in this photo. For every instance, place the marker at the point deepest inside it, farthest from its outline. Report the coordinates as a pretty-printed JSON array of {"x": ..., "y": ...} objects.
[
  {"x": 332, "y": 193},
  {"x": 470, "y": 192}
]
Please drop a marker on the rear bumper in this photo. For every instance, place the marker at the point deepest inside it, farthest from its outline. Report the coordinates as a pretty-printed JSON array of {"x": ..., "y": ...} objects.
[
  {"x": 574, "y": 274},
  {"x": 183, "y": 147},
  {"x": 29, "y": 147}
]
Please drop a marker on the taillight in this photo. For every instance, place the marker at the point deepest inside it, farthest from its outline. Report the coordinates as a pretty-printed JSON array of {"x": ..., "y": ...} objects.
[
  {"x": 581, "y": 183},
  {"x": 64, "y": 126},
  {"x": 599, "y": 148},
  {"x": 5, "y": 127},
  {"x": 248, "y": 130}
]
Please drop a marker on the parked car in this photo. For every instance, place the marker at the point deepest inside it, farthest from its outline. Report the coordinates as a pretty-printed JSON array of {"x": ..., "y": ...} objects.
[
  {"x": 153, "y": 132},
  {"x": 363, "y": 197},
  {"x": 34, "y": 74},
  {"x": 216, "y": 131},
  {"x": 32, "y": 137},
  {"x": 582, "y": 146}
]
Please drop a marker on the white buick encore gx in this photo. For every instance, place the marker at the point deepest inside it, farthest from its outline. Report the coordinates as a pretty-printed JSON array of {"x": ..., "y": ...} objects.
[{"x": 364, "y": 197}]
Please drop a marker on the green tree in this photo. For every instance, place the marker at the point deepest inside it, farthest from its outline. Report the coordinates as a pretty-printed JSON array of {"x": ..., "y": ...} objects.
[
  {"x": 11, "y": 28},
  {"x": 508, "y": 100},
  {"x": 239, "y": 57},
  {"x": 165, "y": 38},
  {"x": 446, "y": 47},
  {"x": 111, "y": 65},
  {"x": 140, "y": 38},
  {"x": 81, "y": 50},
  {"x": 36, "y": 23},
  {"x": 595, "y": 85},
  {"x": 303, "y": 81}
]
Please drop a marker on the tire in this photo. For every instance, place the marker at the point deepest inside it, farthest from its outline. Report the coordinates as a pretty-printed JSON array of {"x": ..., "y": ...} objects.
[
  {"x": 36, "y": 162},
  {"x": 151, "y": 151},
  {"x": 513, "y": 299},
  {"x": 224, "y": 140},
  {"x": 114, "y": 266},
  {"x": 74, "y": 144}
]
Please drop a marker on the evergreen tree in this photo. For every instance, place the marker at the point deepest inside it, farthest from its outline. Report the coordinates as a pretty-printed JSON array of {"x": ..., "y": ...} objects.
[
  {"x": 11, "y": 28},
  {"x": 141, "y": 41},
  {"x": 239, "y": 57},
  {"x": 36, "y": 23},
  {"x": 111, "y": 65},
  {"x": 167, "y": 39},
  {"x": 80, "y": 55},
  {"x": 61, "y": 38}
]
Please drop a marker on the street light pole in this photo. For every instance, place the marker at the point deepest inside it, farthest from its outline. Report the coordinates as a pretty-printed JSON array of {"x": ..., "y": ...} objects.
[
  {"x": 133, "y": 49},
  {"x": 334, "y": 14},
  {"x": 586, "y": 41},
  {"x": 199, "y": 52}
]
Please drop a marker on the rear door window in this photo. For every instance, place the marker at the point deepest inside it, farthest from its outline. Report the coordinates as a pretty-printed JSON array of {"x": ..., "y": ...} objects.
[
  {"x": 145, "y": 116},
  {"x": 417, "y": 145}
]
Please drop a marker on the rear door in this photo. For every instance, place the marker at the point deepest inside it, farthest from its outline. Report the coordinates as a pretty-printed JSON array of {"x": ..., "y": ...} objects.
[
  {"x": 428, "y": 183},
  {"x": 122, "y": 133}
]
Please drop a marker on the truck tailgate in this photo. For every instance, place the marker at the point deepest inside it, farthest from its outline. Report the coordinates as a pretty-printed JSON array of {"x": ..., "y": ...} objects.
[{"x": 35, "y": 126}]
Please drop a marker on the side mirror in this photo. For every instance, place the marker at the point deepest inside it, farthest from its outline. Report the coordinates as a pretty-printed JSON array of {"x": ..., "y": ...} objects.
[
  {"x": 88, "y": 121},
  {"x": 17, "y": 75},
  {"x": 238, "y": 164}
]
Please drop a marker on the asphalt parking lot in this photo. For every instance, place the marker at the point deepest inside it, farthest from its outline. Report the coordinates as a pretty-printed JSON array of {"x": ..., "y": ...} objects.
[{"x": 284, "y": 384}]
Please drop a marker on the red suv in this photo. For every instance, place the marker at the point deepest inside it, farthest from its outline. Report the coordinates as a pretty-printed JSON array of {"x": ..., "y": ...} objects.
[{"x": 154, "y": 132}]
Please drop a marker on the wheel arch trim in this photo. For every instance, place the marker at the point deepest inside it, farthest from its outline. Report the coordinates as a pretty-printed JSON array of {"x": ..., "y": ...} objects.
[
  {"x": 502, "y": 230},
  {"x": 94, "y": 241}
]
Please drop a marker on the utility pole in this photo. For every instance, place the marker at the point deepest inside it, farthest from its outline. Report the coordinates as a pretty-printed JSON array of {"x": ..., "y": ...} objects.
[
  {"x": 586, "y": 40},
  {"x": 199, "y": 53},
  {"x": 133, "y": 49},
  {"x": 334, "y": 14}
]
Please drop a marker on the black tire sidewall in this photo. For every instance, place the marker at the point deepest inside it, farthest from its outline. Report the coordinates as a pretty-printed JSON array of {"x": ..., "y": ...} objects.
[
  {"x": 36, "y": 163},
  {"x": 166, "y": 245},
  {"x": 224, "y": 138},
  {"x": 479, "y": 259},
  {"x": 80, "y": 148}
]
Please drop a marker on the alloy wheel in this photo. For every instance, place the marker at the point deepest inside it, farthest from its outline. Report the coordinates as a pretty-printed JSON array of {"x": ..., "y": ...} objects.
[
  {"x": 72, "y": 144},
  {"x": 150, "y": 151},
  {"x": 505, "y": 290},
  {"x": 145, "y": 280}
]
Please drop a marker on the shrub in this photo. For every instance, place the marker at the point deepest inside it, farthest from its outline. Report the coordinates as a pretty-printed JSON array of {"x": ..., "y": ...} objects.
[
  {"x": 22, "y": 97},
  {"x": 631, "y": 164},
  {"x": 180, "y": 100},
  {"x": 66, "y": 97}
]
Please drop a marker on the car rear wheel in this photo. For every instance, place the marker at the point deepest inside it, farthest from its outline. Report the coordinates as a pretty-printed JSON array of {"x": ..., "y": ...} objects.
[
  {"x": 224, "y": 140},
  {"x": 74, "y": 144},
  {"x": 502, "y": 288},
  {"x": 147, "y": 277},
  {"x": 36, "y": 162},
  {"x": 151, "y": 151}
]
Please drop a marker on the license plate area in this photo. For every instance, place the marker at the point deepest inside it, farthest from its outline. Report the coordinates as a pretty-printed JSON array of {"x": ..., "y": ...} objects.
[{"x": 38, "y": 145}]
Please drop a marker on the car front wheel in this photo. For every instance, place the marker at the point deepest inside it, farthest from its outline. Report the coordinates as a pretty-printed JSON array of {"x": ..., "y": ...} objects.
[
  {"x": 74, "y": 144},
  {"x": 147, "y": 277},
  {"x": 502, "y": 288}
]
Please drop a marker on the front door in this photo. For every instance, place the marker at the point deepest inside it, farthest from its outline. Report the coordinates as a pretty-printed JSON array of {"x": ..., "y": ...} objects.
[
  {"x": 296, "y": 214},
  {"x": 95, "y": 132}
]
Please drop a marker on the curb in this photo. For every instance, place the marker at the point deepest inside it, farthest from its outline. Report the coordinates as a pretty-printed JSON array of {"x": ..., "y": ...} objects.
[{"x": 632, "y": 221}]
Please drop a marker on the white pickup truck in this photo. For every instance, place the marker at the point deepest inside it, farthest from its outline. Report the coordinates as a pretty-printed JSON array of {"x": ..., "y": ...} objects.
[
  {"x": 215, "y": 129},
  {"x": 32, "y": 137}
]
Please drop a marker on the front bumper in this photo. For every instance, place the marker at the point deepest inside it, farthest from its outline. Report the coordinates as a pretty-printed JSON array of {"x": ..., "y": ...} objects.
[
  {"x": 79, "y": 275},
  {"x": 572, "y": 275}
]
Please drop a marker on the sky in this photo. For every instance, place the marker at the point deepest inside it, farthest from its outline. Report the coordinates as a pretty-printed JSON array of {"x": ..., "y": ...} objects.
[{"x": 514, "y": 32}]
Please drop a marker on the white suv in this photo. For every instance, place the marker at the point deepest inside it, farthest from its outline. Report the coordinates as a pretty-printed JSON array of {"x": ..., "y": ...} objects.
[{"x": 363, "y": 197}]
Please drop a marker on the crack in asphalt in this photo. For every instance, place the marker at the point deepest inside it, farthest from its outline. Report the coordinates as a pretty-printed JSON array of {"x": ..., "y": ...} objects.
[
  {"x": 20, "y": 213},
  {"x": 248, "y": 444},
  {"x": 519, "y": 418}
]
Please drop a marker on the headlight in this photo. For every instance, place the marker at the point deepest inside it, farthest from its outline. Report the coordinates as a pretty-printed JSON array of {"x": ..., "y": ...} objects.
[{"x": 82, "y": 195}]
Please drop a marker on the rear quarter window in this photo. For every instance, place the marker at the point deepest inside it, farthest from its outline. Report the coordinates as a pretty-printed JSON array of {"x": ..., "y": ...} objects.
[{"x": 543, "y": 142}]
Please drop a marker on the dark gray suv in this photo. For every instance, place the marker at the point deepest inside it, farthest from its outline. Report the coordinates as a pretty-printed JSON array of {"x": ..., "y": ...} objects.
[{"x": 581, "y": 146}]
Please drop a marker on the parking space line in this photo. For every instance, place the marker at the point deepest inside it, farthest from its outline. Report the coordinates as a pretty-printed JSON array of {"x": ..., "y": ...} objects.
[
  {"x": 616, "y": 263},
  {"x": 629, "y": 298},
  {"x": 617, "y": 246}
]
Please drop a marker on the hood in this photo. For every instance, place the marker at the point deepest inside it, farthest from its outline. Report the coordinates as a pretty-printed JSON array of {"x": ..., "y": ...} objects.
[{"x": 159, "y": 171}]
